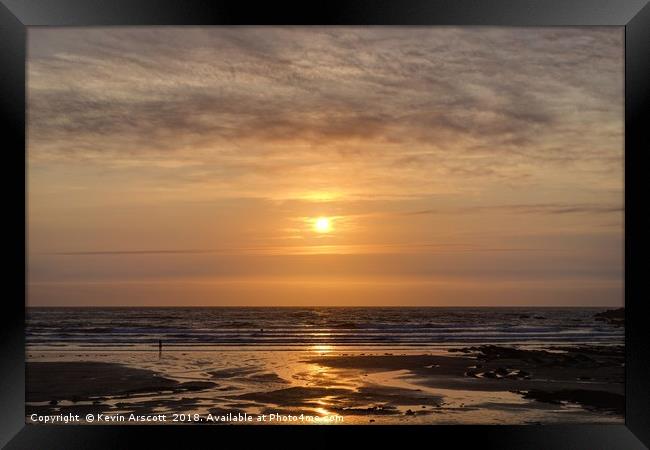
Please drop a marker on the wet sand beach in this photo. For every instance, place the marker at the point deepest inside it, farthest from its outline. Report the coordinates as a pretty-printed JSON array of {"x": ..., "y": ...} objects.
[{"x": 479, "y": 384}]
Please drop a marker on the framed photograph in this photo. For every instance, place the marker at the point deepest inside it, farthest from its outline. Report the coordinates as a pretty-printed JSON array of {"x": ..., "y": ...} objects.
[{"x": 411, "y": 218}]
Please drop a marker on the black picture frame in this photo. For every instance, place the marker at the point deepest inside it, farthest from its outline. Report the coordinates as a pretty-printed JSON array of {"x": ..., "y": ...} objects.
[{"x": 634, "y": 15}]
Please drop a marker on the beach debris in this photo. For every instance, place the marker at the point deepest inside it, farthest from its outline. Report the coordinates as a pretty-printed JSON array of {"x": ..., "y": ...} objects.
[{"x": 498, "y": 373}]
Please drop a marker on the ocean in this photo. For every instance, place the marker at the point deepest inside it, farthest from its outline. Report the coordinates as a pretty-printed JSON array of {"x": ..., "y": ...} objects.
[{"x": 296, "y": 328}]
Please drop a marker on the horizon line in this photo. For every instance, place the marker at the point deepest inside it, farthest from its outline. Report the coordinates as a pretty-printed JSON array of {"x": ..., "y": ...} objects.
[{"x": 324, "y": 306}]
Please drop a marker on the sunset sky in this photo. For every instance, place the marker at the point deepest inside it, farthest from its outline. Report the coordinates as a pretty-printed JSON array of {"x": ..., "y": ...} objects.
[{"x": 448, "y": 166}]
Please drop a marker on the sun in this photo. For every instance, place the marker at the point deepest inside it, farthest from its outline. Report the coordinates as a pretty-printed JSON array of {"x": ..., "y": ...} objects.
[{"x": 322, "y": 225}]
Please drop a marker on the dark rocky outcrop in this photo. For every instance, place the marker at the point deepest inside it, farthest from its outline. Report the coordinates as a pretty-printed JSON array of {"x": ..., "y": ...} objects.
[{"x": 612, "y": 316}]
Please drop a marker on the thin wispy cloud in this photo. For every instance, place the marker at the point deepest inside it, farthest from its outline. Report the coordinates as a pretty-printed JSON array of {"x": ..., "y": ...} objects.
[
  {"x": 530, "y": 209},
  {"x": 242, "y": 104}
]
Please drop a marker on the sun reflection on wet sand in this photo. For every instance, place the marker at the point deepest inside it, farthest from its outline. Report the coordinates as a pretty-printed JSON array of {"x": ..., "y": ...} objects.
[
  {"x": 322, "y": 348},
  {"x": 322, "y": 411}
]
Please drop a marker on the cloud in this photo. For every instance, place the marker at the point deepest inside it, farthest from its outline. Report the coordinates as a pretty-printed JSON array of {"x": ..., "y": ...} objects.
[
  {"x": 393, "y": 102},
  {"x": 548, "y": 208}
]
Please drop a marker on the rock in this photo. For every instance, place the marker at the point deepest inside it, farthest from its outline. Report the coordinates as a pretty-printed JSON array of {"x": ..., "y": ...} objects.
[
  {"x": 594, "y": 400},
  {"x": 461, "y": 350},
  {"x": 612, "y": 316}
]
